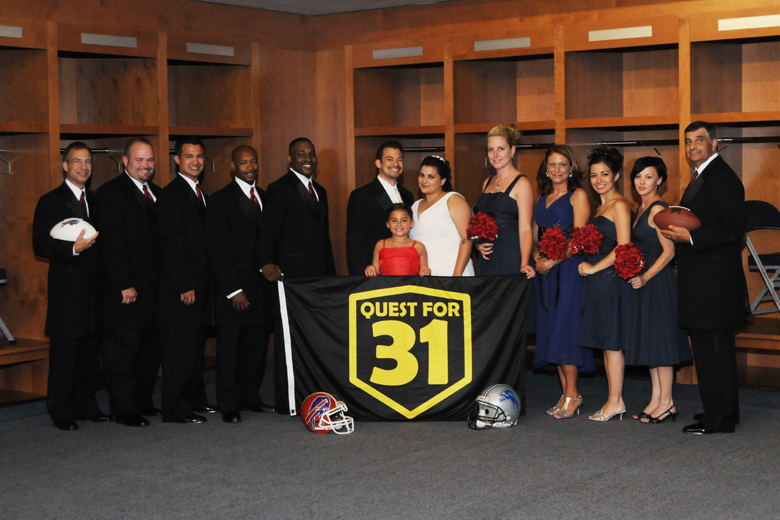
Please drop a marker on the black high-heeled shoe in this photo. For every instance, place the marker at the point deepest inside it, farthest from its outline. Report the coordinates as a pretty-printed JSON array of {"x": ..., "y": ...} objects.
[
  {"x": 666, "y": 415},
  {"x": 643, "y": 415}
]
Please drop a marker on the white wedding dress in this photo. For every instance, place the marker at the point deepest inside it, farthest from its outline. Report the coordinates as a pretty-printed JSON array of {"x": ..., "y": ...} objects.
[{"x": 440, "y": 237}]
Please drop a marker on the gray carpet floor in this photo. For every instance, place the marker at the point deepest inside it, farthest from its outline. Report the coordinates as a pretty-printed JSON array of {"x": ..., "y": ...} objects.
[{"x": 270, "y": 466}]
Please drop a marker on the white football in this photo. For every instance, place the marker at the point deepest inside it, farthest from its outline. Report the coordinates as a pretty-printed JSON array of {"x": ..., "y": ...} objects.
[{"x": 70, "y": 228}]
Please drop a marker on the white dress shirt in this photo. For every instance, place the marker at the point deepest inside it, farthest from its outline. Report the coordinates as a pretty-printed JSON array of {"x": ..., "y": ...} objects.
[
  {"x": 246, "y": 187},
  {"x": 391, "y": 189}
]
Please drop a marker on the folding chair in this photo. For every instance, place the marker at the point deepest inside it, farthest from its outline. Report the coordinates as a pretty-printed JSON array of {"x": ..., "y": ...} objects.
[
  {"x": 763, "y": 215},
  {"x": 5, "y": 330}
]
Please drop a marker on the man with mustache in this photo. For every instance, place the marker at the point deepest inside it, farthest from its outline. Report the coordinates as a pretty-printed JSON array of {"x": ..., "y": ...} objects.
[
  {"x": 233, "y": 221},
  {"x": 131, "y": 255},
  {"x": 295, "y": 239},
  {"x": 368, "y": 205},
  {"x": 185, "y": 286},
  {"x": 72, "y": 314}
]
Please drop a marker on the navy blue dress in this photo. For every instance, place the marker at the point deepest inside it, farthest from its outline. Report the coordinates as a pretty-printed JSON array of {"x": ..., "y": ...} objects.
[
  {"x": 505, "y": 257},
  {"x": 559, "y": 297},
  {"x": 651, "y": 319},
  {"x": 602, "y": 297}
]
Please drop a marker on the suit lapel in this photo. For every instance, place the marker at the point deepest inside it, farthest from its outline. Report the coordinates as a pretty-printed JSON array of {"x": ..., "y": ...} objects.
[
  {"x": 73, "y": 203},
  {"x": 381, "y": 196},
  {"x": 246, "y": 206},
  {"x": 139, "y": 198},
  {"x": 693, "y": 188},
  {"x": 303, "y": 192}
]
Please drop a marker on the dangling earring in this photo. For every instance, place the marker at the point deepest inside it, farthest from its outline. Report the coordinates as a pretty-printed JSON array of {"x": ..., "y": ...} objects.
[
  {"x": 548, "y": 175},
  {"x": 570, "y": 175},
  {"x": 657, "y": 187}
]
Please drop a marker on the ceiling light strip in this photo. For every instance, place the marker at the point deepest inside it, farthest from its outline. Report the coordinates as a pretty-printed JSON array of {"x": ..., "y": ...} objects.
[
  {"x": 109, "y": 40},
  {"x": 624, "y": 33},
  {"x": 403, "y": 52},
  {"x": 507, "y": 43}
]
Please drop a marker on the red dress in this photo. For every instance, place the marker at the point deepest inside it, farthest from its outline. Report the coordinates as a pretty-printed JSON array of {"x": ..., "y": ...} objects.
[{"x": 399, "y": 261}]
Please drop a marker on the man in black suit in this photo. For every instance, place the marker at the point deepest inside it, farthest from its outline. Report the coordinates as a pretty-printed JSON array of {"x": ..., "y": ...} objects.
[
  {"x": 131, "y": 255},
  {"x": 185, "y": 287},
  {"x": 233, "y": 221},
  {"x": 294, "y": 239},
  {"x": 72, "y": 311},
  {"x": 713, "y": 292},
  {"x": 368, "y": 205}
]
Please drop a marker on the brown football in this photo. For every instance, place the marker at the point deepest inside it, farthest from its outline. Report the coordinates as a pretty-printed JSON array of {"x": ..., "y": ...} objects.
[{"x": 677, "y": 216}]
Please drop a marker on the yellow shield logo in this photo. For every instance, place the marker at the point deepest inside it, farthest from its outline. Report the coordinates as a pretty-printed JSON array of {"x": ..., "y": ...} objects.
[{"x": 410, "y": 346}]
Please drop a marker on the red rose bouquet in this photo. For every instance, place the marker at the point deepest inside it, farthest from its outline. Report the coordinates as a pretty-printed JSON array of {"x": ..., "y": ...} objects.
[
  {"x": 553, "y": 244},
  {"x": 482, "y": 228},
  {"x": 585, "y": 240},
  {"x": 628, "y": 260}
]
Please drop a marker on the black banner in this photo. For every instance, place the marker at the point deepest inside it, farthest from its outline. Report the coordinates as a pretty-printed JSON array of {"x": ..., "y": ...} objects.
[{"x": 395, "y": 348}]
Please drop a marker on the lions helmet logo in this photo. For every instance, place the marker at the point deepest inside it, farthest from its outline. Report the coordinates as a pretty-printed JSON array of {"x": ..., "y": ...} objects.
[
  {"x": 319, "y": 408},
  {"x": 508, "y": 395}
]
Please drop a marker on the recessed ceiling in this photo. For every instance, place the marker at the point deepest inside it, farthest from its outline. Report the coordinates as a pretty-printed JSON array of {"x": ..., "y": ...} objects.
[{"x": 320, "y": 7}]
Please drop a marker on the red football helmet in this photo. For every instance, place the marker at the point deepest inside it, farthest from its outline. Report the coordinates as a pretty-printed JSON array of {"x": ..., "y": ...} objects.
[{"x": 322, "y": 412}]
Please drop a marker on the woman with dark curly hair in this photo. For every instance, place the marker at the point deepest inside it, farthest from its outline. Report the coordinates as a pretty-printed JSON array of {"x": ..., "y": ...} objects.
[
  {"x": 602, "y": 326},
  {"x": 562, "y": 203},
  {"x": 654, "y": 339}
]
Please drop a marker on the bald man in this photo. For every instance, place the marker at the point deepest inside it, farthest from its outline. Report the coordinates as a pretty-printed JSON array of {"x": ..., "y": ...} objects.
[{"x": 233, "y": 221}]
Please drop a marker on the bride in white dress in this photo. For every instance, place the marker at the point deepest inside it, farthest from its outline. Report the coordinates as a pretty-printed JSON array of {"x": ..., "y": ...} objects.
[{"x": 441, "y": 219}]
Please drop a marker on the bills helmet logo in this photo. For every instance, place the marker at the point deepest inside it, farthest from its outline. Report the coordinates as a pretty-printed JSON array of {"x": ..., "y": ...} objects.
[
  {"x": 508, "y": 395},
  {"x": 319, "y": 407},
  {"x": 71, "y": 222}
]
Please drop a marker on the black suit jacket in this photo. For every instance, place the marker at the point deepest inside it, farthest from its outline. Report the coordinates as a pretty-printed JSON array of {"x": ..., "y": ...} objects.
[
  {"x": 367, "y": 223},
  {"x": 130, "y": 247},
  {"x": 72, "y": 310},
  {"x": 232, "y": 232},
  {"x": 295, "y": 232},
  {"x": 711, "y": 279},
  {"x": 180, "y": 220}
]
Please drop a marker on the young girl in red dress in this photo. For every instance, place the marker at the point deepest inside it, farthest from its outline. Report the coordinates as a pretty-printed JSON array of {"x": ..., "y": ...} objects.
[{"x": 399, "y": 255}]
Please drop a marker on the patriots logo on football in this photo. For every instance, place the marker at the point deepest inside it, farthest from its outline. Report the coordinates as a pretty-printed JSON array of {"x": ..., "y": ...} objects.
[
  {"x": 319, "y": 407},
  {"x": 507, "y": 395},
  {"x": 72, "y": 222}
]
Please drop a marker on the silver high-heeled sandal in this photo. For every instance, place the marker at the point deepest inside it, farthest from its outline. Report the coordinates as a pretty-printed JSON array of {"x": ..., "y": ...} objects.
[
  {"x": 600, "y": 416},
  {"x": 561, "y": 414},
  {"x": 554, "y": 409}
]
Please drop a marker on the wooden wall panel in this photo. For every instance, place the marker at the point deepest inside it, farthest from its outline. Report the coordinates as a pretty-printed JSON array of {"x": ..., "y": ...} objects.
[
  {"x": 23, "y": 299},
  {"x": 535, "y": 90},
  {"x": 330, "y": 139},
  {"x": 723, "y": 60},
  {"x": 109, "y": 91},
  {"x": 594, "y": 84},
  {"x": 23, "y": 87},
  {"x": 650, "y": 83},
  {"x": 288, "y": 105},
  {"x": 761, "y": 76}
]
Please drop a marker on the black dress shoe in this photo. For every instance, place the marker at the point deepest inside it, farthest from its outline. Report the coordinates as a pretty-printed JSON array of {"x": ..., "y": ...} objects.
[
  {"x": 699, "y": 429},
  {"x": 150, "y": 412},
  {"x": 192, "y": 419},
  {"x": 205, "y": 409},
  {"x": 67, "y": 425},
  {"x": 259, "y": 408},
  {"x": 132, "y": 419},
  {"x": 100, "y": 417},
  {"x": 231, "y": 416}
]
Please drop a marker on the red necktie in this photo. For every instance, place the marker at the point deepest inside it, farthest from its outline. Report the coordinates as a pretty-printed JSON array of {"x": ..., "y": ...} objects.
[
  {"x": 200, "y": 195},
  {"x": 313, "y": 195},
  {"x": 254, "y": 200},
  {"x": 695, "y": 176},
  {"x": 83, "y": 203},
  {"x": 147, "y": 194}
]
